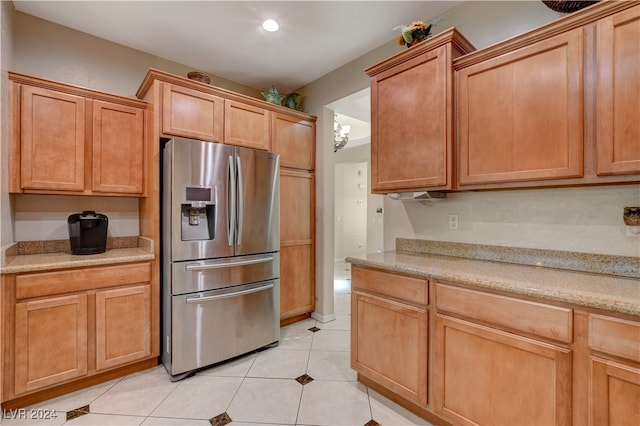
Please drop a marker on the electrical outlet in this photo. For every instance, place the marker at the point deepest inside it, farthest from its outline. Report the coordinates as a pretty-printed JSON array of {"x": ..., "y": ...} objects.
[{"x": 453, "y": 221}]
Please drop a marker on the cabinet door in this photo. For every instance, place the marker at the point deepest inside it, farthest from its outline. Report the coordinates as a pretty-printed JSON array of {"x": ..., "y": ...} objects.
[
  {"x": 618, "y": 91},
  {"x": 389, "y": 344},
  {"x": 191, "y": 114},
  {"x": 118, "y": 148},
  {"x": 294, "y": 140},
  {"x": 297, "y": 243},
  {"x": 521, "y": 114},
  {"x": 52, "y": 140},
  {"x": 246, "y": 125},
  {"x": 411, "y": 124},
  {"x": 51, "y": 341},
  {"x": 615, "y": 393},
  {"x": 486, "y": 376},
  {"x": 123, "y": 325}
]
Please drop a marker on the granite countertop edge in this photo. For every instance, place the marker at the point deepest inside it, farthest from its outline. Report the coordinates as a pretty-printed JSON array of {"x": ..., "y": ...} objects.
[
  {"x": 23, "y": 263},
  {"x": 599, "y": 291}
]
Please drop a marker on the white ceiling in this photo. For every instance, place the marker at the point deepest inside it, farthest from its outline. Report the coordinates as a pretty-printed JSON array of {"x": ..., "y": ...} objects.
[{"x": 225, "y": 38}]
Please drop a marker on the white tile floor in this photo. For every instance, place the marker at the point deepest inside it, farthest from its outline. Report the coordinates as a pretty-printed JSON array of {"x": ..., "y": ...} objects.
[{"x": 257, "y": 389}]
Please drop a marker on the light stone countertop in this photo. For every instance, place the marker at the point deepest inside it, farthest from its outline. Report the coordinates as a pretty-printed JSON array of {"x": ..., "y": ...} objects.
[
  {"x": 13, "y": 263},
  {"x": 599, "y": 291}
]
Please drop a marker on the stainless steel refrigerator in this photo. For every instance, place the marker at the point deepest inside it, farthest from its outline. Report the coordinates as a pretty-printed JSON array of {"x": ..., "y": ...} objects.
[{"x": 220, "y": 260}]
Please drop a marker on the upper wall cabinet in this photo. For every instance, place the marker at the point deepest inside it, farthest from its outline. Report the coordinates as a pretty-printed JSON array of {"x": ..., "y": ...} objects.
[
  {"x": 520, "y": 115},
  {"x": 70, "y": 140},
  {"x": 191, "y": 113},
  {"x": 247, "y": 125},
  {"x": 618, "y": 93},
  {"x": 195, "y": 110},
  {"x": 555, "y": 106},
  {"x": 295, "y": 140},
  {"x": 412, "y": 116}
]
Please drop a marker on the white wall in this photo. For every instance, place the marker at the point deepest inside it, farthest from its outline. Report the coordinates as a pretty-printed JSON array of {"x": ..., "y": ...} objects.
[
  {"x": 587, "y": 219},
  {"x": 351, "y": 190}
]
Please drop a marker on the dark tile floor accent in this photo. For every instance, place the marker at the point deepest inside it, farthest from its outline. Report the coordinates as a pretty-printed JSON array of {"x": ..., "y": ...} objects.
[
  {"x": 220, "y": 420},
  {"x": 304, "y": 379},
  {"x": 73, "y": 414},
  {"x": 372, "y": 423},
  {"x": 314, "y": 329}
]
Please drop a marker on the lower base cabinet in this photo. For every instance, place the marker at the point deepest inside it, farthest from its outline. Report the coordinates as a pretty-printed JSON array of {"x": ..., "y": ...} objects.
[
  {"x": 51, "y": 341},
  {"x": 389, "y": 332},
  {"x": 489, "y": 377},
  {"x": 614, "y": 371},
  {"x": 123, "y": 326},
  {"x": 615, "y": 393},
  {"x": 74, "y": 324},
  {"x": 465, "y": 356}
]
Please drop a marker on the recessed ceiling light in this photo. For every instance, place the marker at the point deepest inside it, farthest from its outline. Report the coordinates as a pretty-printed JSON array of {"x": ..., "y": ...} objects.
[{"x": 270, "y": 25}]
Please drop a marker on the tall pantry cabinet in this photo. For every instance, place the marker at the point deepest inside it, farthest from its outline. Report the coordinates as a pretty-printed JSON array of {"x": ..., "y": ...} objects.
[{"x": 195, "y": 110}]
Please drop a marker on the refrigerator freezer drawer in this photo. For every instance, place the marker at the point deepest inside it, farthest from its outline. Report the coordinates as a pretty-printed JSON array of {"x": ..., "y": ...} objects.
[
  {"x": 213, "y": 326},
  {"x": 202, "y": 275}
]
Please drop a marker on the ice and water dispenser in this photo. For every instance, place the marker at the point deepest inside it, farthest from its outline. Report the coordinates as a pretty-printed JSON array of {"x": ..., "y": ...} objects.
[{"x": 198, "y": 214}]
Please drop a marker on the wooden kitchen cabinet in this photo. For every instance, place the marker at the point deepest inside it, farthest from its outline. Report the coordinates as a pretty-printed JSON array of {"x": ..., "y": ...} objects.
[
  {"x": 520, "y": 115},
  {"x": 52, "y": 139},
  {"x": 555, "y": 106},
  {"x": 500, "y": 360},
  {"x": 51, "y": 341},
  {"x": 294, "y": 139},
  {"x": 191, "y": 113},
  {"x": 297, "y": 243},
  {"x": 123, "y": 325},
  {"x": 614, "y": 371},
  {"x": 69, "y": 325},
  {"x": 617, "y": 93},
  {"x": 118, "y": 149},
  {"x": 196, "y": 114},
  {"x": 247, "y": 125},
  {"x": 412, "y": 116},
  {"x": 389, "y": 332},
  {"x": 71, "y": 140}
]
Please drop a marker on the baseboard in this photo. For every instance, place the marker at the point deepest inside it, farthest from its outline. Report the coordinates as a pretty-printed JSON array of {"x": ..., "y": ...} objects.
[{"x": 323, "y": 318}]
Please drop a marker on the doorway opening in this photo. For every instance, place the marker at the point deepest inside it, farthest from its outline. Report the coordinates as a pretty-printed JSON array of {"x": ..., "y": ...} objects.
[{"x": 358, "y": 214}]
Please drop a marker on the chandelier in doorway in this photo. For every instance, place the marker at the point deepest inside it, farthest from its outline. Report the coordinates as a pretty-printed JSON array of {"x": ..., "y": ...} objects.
[{"x": 340, "y": 134}]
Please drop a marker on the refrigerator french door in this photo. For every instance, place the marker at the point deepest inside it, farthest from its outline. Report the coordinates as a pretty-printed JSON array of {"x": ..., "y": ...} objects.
[{"x": 220, "y": 260}]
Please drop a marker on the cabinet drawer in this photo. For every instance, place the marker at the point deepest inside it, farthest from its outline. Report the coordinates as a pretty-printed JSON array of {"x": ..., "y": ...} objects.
[
  {"x": 413, "y": 290},
  {"x": 615, "y": 336},
  {"x": 49, "y": 283},
  {"x": 547, "y": 321}
]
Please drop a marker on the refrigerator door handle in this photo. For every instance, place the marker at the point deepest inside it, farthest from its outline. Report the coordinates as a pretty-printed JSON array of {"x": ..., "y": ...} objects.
[
  {"x": 240, "y": 200},
  {"x": 226, "y": 295},
  {"x": 231, "y": 202},
  {"x": 226, "y": 264}
]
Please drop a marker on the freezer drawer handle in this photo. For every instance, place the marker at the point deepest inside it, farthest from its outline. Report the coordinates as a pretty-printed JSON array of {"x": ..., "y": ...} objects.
[
  {"x": 218, "y": 265},
  {"x": 227, "y": 295}
]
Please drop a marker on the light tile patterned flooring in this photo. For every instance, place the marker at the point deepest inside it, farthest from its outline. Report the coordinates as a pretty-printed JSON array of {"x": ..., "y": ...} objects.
[{"x": 258, "y": 389}]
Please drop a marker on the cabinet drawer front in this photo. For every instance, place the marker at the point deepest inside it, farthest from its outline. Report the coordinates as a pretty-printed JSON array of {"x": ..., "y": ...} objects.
[
  {"x": 615, "y": 336},
  {"x": 410, "y": 289},
  {"x": 547, "y": 321},
  {"x": 48, "y": 283}
]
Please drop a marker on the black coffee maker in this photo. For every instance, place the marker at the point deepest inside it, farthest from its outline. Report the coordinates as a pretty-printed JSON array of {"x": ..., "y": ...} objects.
[{"x": 88, "y": 232}]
